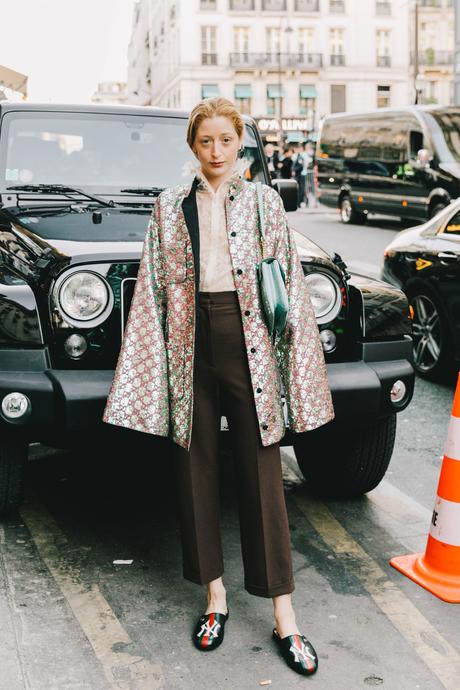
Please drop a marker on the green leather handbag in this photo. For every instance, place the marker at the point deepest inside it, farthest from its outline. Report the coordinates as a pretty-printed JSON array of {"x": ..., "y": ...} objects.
[{"x": 272, "y": 281}]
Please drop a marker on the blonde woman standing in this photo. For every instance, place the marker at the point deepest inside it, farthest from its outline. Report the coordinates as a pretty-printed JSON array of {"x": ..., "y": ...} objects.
[{"x": 195, "y": 343}]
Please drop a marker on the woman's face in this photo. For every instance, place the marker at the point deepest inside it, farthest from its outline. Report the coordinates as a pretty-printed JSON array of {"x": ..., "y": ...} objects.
[{"x": 216, "y": 147}]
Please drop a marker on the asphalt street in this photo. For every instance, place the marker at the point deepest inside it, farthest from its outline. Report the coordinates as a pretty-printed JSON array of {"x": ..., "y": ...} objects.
[{"x": 91, "y": 591}]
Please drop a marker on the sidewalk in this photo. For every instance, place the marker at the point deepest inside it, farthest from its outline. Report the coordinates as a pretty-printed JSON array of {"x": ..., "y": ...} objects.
[{"x": 315, "y": 208}]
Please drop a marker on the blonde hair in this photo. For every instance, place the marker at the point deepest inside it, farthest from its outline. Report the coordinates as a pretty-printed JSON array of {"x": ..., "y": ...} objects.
[{"x": 213, "y": 107}]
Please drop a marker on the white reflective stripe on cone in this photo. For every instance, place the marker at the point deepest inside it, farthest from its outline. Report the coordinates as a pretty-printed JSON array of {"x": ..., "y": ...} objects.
[
  {"x": 452, "y": 449},
  {"x": 445, "y": 523}
]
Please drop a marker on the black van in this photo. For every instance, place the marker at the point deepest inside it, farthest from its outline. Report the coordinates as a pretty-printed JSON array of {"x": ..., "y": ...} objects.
[{"x": 401, "y": 162}]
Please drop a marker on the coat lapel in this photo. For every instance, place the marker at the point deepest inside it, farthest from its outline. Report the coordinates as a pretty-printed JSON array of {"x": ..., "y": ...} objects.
[{"x": 190, "y": 210}]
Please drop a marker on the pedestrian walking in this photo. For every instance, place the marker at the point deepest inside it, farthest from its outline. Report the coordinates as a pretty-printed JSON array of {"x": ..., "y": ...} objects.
[
  {"x": 196, "y": 339},
  {"x": 297, "y": 173},
  {"x": 286, "y": 163},
  {"x": 273, "y": 163}
]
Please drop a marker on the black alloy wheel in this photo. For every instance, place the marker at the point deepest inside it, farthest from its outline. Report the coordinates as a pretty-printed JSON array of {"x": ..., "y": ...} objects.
[
  {"x": 348, "y": 213},
  {"x": 432, "y": 347}
]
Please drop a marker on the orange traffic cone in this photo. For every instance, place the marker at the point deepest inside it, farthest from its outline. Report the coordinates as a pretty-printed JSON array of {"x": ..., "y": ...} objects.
[{"x": 438, "y": 569}]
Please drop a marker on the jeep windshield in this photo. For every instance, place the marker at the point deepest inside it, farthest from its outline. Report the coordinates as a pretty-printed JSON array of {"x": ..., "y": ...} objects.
[{"x": 115, "y": 154}]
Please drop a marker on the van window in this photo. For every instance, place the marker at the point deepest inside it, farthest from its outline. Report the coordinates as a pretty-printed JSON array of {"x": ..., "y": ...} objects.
[{"x": 450, "y": 125}]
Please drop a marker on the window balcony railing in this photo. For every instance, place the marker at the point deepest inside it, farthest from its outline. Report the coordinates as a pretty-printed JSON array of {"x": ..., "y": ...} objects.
[
  {"x": 241, "y": 5},
  {"x": 337, "y": 60},
  {"x": 430, "y": 3},
  {"x": 382, "y": 7},
  {"x": 337, "y": 6},
  {"x": 433, "y": 57},
  {"x": 274, "y": 60},
  {"x": 274, "y": 5},
  {"x": 383, "y": 61},
  {"x": 209, "y": 58},
  {"x": 306, "y": 6}
]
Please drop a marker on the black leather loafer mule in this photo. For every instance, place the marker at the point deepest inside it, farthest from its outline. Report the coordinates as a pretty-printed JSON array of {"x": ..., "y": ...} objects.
[
  {"x": 298, "y": 653},
  {"x": 208, "y": 633}
]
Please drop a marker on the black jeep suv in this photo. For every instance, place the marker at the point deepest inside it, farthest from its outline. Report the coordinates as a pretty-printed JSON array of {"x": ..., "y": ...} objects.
[{"x": 77, "y": 185}]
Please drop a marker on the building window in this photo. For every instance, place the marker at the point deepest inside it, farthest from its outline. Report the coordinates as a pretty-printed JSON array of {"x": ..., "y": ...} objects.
[
  {"x": 241, "y": 44},
  {"x": 274, "y": 5},
  {"x": 241, "y": 5},
  {"x": 209, "y": 90},
  {"x": 307, "y": 99},
  {"x": 305, "y": 41},
  {"x": 383, "y": 48},
  {"x": 337, "y": 46},
  {"x": 337, "y": 6},
  {"x": 243, "y": 96},
  {"x": 208, "y": 4},
  {"x": 273, "y": 42},
  {"x": 274, "y": 99},
  {"x": 382, "y": 7},
  {"x": 208, "y": 45},
  {"x": 307, "y": 5},
  {"x": 383, "y": 96},
  {"x": 338, "y": 98}
]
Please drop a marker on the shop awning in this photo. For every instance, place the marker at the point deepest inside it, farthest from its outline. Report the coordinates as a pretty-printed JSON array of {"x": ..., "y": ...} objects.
[
  {"x": 243, "y": 90},
  {"x": 209, "y": 90},
  {"x": 274, "y": 91},
  {"x": 307, "y": 91},
  {"x": 295, "y": 136}
]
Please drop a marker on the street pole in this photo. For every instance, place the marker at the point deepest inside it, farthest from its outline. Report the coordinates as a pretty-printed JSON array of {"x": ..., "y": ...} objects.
[
  {"x": 281, "y": 134},
  {"x": 457, "y": 53},
  {"x": 416, "y": 52}
]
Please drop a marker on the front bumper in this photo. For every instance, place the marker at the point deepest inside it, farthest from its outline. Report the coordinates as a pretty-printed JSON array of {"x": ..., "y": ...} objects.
[{"x": 67, "y": 402}]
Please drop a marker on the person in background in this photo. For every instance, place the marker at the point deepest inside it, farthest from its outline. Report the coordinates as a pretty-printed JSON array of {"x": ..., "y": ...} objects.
[
  {"x": 297, "y": 170},
  {"x": 286, "y": 163},
  {"x": 273, "y": 160},
  {"x": 308, "y": 161}
]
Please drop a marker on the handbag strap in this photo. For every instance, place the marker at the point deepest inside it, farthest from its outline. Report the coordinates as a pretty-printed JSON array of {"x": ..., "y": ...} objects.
[{"x": 260, "y": 207}]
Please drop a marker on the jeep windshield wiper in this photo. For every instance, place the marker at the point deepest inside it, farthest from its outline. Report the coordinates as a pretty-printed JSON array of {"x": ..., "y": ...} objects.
[
  {"x": 144, "y": 191},
  {"x": 60, "y": 189}
]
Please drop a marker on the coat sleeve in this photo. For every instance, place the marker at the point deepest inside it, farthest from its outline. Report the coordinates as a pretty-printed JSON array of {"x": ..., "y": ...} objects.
[
  {"x": 138, "y": 398},
  {"x": 299, "y": 350}
]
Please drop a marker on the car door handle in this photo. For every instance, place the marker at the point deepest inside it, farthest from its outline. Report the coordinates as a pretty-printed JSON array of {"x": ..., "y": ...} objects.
[{"x": 448, "y": 256}]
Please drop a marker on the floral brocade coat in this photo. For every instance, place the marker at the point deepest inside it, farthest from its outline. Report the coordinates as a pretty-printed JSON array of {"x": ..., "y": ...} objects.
[{"x": 152, "y": 389}]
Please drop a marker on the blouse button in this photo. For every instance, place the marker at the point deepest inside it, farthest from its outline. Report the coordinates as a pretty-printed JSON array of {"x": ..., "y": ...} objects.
[
  {"x": 247, "y": 312},
  {"x": 239, "y": 271},
  {"x": 231, "y": 197},
  {"x": 259, "y": 390},
  {"x": 253, "y": 349},
  {"x": 233, "y": 233},
  {"x": 264, "y": 427}
]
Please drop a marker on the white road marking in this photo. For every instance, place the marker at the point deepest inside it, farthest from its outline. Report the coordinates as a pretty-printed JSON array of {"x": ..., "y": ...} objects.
[
  {"x": 102, "y": 628},
  {"x": 439, "y": 656}
]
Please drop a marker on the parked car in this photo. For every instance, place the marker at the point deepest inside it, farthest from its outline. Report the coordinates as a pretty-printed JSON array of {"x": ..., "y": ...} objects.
[
  {"x": 401, "y": 162},
  {"x": 77, "y": 186},
  {"x": 424, "y": 261}
]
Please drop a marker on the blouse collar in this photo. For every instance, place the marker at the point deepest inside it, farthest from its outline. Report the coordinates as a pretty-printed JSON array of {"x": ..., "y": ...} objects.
[{"x": 233, "y": 178}]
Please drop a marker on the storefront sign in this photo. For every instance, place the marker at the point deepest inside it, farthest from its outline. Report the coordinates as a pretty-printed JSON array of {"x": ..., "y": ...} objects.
[{"x": 272, "y": 124}]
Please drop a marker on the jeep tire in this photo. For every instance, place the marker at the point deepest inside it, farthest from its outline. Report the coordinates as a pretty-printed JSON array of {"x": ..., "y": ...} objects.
[{"x": 345, "y": 463}]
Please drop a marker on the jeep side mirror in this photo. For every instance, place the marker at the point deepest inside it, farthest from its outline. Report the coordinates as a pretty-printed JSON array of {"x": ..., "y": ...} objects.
[{"x": 288, "y": 191}]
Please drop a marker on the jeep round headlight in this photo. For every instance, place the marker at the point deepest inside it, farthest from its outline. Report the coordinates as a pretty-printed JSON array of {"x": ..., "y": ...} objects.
[
  {"x": 83, "y": 296},
  {"x": 325, "y": 296}
]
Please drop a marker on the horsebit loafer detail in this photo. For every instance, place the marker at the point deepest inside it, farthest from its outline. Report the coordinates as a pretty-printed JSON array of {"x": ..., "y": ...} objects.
[
  {"x": 298, "y": 653},
  {"x": 209, "y": 631}
]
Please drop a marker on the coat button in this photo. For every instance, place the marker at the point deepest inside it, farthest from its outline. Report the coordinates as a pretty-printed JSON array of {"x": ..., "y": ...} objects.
[
  {"x": 253, "y": 349},
  {"x": 247, "y": 312},
  {"x": 259, "y": 390},
  {"x": 239, "y": 271},
  {"x": 233, "y": 233},
  {"x": 264, "y": 427}
]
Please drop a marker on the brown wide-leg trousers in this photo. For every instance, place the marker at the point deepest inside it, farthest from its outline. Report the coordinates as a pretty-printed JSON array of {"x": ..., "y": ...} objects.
[{"x": 222, "y": 381}]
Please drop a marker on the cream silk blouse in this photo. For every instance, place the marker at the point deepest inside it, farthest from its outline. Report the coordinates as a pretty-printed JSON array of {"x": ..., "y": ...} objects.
[{"x": 216, "y": 272}]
